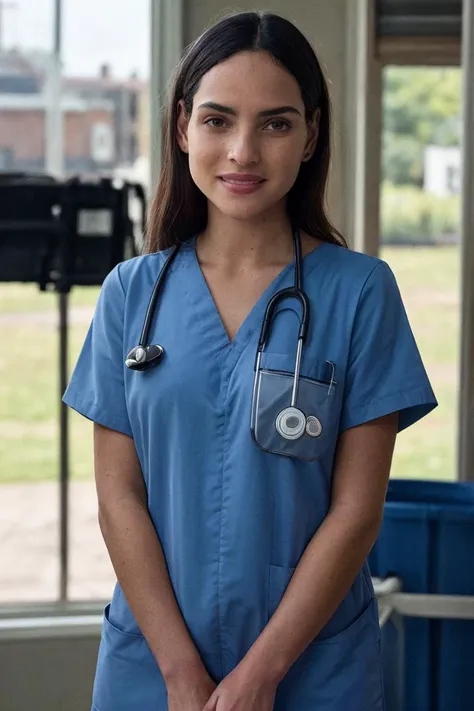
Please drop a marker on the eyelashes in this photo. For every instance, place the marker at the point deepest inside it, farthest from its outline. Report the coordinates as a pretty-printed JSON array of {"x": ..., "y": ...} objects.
[{"x": 283, "y": 125}]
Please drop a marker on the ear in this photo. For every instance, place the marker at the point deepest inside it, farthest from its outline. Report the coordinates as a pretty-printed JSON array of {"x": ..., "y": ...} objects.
[
  {"x": 182, "y": 127},
  {"x": 313, "y": 133}
]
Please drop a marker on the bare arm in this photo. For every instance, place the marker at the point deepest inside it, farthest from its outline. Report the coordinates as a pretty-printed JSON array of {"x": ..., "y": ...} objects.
[
  {"x": 337, "y": 551},
  {"x": 137, "y": 555}
]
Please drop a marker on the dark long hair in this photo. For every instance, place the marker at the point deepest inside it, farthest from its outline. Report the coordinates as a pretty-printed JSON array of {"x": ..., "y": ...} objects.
[{"x": 178, "y": 209}]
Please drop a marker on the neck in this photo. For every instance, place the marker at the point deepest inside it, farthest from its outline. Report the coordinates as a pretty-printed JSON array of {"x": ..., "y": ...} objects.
[{"x": 267, "y": 240}]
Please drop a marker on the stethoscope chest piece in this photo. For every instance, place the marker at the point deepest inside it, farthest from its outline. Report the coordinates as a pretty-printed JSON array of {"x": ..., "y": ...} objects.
[
  {"x": 291, "y": 423},
  {"x": 314, "y": 427},
  {"x": 143, "y": 357},
  {"x": 146, "y": 356}
]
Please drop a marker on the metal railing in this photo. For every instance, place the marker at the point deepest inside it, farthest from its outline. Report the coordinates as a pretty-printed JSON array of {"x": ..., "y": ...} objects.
[
  {"x": 395, "y": 605},
  {"x": 83, "y": 620}
]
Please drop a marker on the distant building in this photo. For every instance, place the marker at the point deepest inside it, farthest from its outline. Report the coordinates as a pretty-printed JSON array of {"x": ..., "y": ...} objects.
[
  {"x": 17, "y": 75},
  {"x": 89, "y": 134},
  {"x": 103, "y": 117},
  {"x": 126, "y": 97},
  {"x": 442, "y": 170}
]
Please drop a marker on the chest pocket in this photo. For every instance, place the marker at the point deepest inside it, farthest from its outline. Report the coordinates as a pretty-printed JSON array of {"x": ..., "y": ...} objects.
[{"x": 316, "y": 399}]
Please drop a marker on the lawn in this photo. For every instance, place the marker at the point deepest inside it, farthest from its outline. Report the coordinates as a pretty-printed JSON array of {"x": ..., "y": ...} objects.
[{"x": 29, "y": 390}]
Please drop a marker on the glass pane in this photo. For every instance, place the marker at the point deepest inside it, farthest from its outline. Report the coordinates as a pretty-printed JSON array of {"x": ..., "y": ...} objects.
[
  {"x": 106, "y": 69},
  {"x": 105, "y": 77},
  {"x": 28, "y": 445},
  {"x": 420, "y": 227},
  {"x": 105, "y": 128},
  {"x": 27, "y": 39},
  {"x": 90, "y": 572},
  {"x": 28, "y": 358}
]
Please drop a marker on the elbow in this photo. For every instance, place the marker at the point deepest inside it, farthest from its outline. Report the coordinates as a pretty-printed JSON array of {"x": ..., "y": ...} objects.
[
  {"x": 118, "y": 508},
  {"x": 103, "y": 518},
  {"x": 107, "y": 514},
  {"x": 373, "y": 527},
  {"x": 368, "y": 526},
  {"x": 361, "y": 526}
]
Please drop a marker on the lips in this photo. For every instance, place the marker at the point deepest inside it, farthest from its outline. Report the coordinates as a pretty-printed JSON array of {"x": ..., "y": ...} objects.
[{"x": 242, "y": 179}]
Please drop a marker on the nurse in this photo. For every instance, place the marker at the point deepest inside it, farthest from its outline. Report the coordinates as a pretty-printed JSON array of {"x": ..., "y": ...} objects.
[{"x": 240, "y": 554}]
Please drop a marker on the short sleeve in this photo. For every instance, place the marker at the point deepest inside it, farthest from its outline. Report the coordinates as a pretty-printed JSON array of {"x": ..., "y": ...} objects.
[
  {"x": 385, "y": 373},
  {"x": 96, "y": 389}
]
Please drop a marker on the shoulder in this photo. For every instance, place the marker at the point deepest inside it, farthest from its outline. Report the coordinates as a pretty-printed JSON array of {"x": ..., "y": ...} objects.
[
  {"x": 135, "y": 271},
  {"x": 360, "y": 265},
  {"x": 134, "y": 268},
  {"x": 352, "y": 273}
]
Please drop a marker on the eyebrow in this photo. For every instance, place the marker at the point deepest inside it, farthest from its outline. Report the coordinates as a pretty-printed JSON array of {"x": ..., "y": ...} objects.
[{"x": 264, "y": 114}]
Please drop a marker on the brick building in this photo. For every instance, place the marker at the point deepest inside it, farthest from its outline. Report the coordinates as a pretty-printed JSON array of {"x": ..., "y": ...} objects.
[
  {"x": 89, "y": 134},
  {"x": 103, "y": 118}
]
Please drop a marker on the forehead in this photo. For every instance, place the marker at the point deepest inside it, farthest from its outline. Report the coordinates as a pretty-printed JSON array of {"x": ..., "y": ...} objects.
[{"x": 249, "y": 79}]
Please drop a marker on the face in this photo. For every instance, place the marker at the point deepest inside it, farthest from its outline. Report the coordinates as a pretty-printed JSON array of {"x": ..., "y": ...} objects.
[{"x": 247, "y": 135}]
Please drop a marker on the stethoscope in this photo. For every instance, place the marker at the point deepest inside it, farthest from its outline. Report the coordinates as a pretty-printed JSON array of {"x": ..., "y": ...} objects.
[{"x": 291, "y": 423}]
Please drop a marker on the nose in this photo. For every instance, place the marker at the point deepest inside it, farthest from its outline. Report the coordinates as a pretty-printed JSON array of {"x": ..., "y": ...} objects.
[{"x": 244, "y": 149}]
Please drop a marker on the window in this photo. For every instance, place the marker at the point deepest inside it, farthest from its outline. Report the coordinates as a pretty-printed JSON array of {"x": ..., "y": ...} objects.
[
  {"x": 104, "y": 45},
  {"x": 420, "y": 232}
]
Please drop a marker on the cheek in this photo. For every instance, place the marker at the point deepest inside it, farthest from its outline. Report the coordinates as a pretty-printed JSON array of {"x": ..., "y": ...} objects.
[
  {"x": 285, "y": 163},
  {"x": 202, "y": 154}
]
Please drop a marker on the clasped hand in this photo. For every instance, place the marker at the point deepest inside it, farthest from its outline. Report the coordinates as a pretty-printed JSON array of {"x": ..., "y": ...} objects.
[{"x": 238, "y": 691}]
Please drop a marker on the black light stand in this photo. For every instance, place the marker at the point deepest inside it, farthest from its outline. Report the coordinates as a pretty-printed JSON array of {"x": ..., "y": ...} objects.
[{"x": 58, "y": 235}]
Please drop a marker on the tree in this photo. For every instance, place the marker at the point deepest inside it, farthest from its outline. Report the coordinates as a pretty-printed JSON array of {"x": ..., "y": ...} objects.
[{"x": 421, "y": 106}]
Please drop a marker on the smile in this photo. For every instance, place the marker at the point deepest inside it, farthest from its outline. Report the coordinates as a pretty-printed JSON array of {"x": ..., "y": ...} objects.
[{"x": 241, "y": 185}]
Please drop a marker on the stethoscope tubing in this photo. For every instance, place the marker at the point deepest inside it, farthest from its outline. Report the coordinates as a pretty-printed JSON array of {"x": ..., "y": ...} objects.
[
  {"x": 152, "y": 305},
  {"x": 295, "y": 291}
]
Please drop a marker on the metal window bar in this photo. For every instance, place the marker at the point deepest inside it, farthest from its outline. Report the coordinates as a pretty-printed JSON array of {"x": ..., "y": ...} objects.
[
  {"x": 392, "y": 602},
  {"x": 75, "y": 621}
]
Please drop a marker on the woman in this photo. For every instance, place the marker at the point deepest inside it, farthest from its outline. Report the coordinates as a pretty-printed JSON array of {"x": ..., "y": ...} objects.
[{"x": 239, "y": 540}]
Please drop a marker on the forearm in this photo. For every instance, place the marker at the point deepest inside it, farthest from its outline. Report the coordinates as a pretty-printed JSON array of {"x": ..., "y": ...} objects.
[
  {"x": 139, "y": 563},
  {"x": 322, "y": 579}
]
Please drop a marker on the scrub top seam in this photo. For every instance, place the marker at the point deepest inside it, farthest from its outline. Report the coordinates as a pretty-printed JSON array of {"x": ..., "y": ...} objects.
[
  {"x": 226, "y": 384},
  {"x": 216, "y": 354},
  {"x": 359, "y": 297},
  {"x": 219, "y": 549},
  {"x": 310, "y": 270},
  {"x": 176, "y": 267}
]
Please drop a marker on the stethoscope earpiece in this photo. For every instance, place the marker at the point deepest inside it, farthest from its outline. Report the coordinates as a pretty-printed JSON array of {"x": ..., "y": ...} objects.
[{"x": 143, "y": 357}]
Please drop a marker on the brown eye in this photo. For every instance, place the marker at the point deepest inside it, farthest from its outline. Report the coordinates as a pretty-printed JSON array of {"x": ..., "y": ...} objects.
[
  {"x": 215, "y": 122},
  {"x": 278, "y": 125}
]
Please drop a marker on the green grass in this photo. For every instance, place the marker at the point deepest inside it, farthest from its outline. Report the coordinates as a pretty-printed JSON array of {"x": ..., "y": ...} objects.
[
  {"x": 429, "y": 280},
  {"x": 24, "y": 298},
  {"x": 29, "y": 389}
]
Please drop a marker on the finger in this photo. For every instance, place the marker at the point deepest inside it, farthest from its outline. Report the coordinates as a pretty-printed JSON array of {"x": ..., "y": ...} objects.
[{"x": 212, "y": 703}]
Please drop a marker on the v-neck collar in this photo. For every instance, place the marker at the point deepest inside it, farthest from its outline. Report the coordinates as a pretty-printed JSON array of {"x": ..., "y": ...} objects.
[{"x": 208, "y": 312}]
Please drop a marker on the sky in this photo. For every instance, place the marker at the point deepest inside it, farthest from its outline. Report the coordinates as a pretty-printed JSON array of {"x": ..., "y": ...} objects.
[{"x": 94, "y": 32}]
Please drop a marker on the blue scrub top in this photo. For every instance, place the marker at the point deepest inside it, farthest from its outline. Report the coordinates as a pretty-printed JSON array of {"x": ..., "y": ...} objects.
[{"x": 233, "y": 519}]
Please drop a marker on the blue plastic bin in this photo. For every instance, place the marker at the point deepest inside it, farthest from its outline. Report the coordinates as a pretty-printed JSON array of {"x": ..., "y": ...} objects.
[{"x": 427, "y": 540}]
